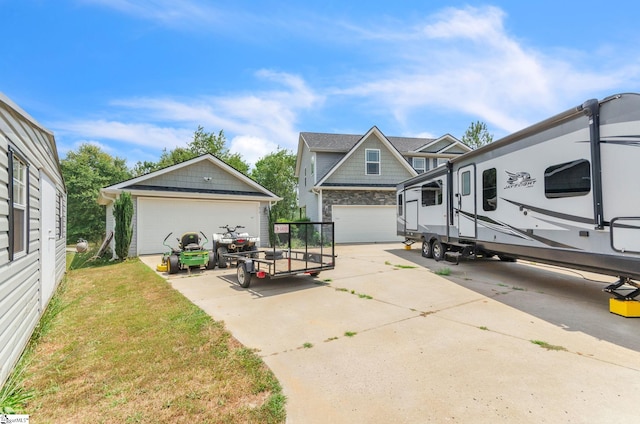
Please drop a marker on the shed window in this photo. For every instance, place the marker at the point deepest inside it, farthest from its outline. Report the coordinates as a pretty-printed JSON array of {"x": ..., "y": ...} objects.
[
  {"x": 432, "y": 193},
  {"x": 568, "y": 179},
  {"x": 372, "y": 161},
  {"x": 19, "y": 205},
  {"x": 489, "y": 190}
]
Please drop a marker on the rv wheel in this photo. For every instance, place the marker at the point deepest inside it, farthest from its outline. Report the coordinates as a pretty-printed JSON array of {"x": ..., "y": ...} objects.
[
  {"x": 437, "y": 250},
  {"x": 426, "y": 249}
]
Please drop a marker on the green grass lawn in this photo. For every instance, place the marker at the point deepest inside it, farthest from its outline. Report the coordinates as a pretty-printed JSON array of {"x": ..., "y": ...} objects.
[{"x": 126, "y": 347}]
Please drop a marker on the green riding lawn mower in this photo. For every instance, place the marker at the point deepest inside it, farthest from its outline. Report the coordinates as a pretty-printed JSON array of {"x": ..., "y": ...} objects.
[{"x": 191, "y": 253}]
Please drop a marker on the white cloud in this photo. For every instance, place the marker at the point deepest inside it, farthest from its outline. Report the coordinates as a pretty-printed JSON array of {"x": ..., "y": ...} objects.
[
  {"x": 182, "y": 13},
  {"x": 146, "y": 135},
  {"x": 254, "y": 123},
  {"x": 252, "y": 148},
  {"x": 464, "y": 61}
]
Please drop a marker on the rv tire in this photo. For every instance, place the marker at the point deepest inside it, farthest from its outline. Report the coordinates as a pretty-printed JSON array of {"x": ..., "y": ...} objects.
[
  {"x": 426, "y": 249},
  {"x": 437, "y": 250}
]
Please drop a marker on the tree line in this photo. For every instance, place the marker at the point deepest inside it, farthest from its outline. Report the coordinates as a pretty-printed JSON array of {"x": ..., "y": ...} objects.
[{"x": 89, "y": 168}]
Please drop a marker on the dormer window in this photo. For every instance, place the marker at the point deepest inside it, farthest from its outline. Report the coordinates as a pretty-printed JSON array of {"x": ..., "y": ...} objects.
[
  {"x": 372, "y": 161},
  {"x": 419, "y": 164}
]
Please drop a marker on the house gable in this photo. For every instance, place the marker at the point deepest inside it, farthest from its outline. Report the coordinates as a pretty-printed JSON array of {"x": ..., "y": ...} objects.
[
  {"x": 350, "y": 170},
  {"x": 201, "y": 176},
  {"x": 204, "y": 175}
]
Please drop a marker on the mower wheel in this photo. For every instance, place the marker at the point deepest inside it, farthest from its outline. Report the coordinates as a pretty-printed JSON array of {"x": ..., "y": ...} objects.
[
  {"x": 212, "y": 261},
  {"x": 173, "y": 264},
  {"x": 222, "y": 261}
]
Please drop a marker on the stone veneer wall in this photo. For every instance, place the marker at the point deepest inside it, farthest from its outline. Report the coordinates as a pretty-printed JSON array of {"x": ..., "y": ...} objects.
[{"x": 356, "y": 198}]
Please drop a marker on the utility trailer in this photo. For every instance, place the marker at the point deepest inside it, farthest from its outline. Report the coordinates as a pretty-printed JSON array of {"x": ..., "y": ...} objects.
[
  {"x": 565, "y": 191},
  {"x": 299, "y": 248}
]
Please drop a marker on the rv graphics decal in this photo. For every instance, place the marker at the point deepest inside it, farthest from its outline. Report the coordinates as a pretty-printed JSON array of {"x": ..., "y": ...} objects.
[{"x": 519, "y": 179}]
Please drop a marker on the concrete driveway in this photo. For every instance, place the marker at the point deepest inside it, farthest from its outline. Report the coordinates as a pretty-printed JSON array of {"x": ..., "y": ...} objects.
[{"x": 374, "y": 342}]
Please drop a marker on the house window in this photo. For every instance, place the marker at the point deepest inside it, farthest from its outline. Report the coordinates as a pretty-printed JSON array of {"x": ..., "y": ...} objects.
[
  {"x": 432, "y": 193},
  {"x": 419, "y": 164},
  {"x": 19, "y": 205},
  {"x": 489, "y": 190},
  {"x": 466, "y": 183},
  {"x": 372, "y": 161},
  {"x": 568, "y": 179}
]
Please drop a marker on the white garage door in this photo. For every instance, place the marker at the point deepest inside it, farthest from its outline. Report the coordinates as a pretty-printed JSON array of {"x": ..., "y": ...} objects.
[
  {"x": 365, "y": 224},
  {"x": 159, "y": 217}
]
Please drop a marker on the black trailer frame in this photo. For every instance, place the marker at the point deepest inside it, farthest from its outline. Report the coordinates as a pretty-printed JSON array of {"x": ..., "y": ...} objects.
[{"x": 298, "y": 248}]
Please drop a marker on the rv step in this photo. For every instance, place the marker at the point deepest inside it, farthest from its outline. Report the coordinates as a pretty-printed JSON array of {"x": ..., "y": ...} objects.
[
  {"x": 467, "y": 253},
  {"x": 453, "y": 257}
]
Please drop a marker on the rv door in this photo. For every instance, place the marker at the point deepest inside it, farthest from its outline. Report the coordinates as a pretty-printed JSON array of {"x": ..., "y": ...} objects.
[{"x": 467, "y": 201}]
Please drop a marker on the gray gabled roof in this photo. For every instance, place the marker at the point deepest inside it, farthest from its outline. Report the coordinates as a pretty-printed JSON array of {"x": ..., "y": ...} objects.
[{"x": 323, "y": 142}]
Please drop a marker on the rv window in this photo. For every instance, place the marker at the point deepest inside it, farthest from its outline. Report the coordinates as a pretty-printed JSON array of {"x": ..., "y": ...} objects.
[
  {"x": 400, "y": 205},
  {"x": 432, "y": 193},
  {"x": 568, "y": 179},
  {"x": 489, "y": 190},
  {"x": 466, "y": 183}
]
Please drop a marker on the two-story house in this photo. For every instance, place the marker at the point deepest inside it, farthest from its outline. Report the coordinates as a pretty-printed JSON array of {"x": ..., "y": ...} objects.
[{"x": 351, "y": 179}]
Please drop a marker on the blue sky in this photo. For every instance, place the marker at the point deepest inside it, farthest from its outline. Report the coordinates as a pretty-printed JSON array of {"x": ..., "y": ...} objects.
[{"x": 137, "y": 76}]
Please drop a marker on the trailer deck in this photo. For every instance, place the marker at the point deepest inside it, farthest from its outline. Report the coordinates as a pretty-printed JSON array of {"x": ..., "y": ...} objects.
[{"x": 298, "y": 248}]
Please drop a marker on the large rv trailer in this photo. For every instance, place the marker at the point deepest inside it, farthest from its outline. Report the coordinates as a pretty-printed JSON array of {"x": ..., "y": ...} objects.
[{"x": 565, "y": 191}]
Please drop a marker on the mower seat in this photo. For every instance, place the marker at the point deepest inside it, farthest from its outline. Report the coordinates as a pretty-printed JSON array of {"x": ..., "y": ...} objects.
[{"x": 190, "y": 241}]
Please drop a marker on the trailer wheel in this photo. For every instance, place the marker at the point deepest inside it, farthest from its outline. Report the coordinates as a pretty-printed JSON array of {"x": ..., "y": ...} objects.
[
  {"x": 173, "y": 264},
  {"x": 222, "y": 261},
  {"x": 427, "y": 252},
  {"x": 244, "y": 276},
  {"x": 437, "y": 250},
  {"x": 212, "y": 261}
]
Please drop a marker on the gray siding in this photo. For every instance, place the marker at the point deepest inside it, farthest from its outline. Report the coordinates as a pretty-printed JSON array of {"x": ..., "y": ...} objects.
[
  {"x": 21, "y": 293},
  {"x": 193, "y": 177},
  {"x": 352, "y": 171},
  {"x": 325, "y": 161},
  {"x": 306, "y": 198}
]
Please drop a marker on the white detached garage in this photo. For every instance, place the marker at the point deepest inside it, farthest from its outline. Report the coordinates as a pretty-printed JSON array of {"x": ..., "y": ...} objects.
[{"x": 200, "y": 194}]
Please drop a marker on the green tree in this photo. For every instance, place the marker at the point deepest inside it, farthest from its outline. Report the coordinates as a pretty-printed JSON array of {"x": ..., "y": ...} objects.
[
  {"x": 276, "y": 172},
  {"x": 477, "y": 135},
  {"x": 202, "y": 143},
  {"x": 123, "y": 214},
  {"x": 85, "y": 172}
]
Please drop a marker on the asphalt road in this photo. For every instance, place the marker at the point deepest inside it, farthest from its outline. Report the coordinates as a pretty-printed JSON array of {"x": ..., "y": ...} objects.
[{"x": 573, "y": 300}]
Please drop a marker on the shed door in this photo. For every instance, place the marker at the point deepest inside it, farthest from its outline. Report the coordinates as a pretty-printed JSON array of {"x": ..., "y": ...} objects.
[
  {"x": 47, "y": 238},
  {"x": 467, "y": 201}
]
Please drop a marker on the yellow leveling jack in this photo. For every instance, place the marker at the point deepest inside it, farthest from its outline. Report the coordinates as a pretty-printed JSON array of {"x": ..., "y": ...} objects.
[{"x": 626, "y": 308}]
